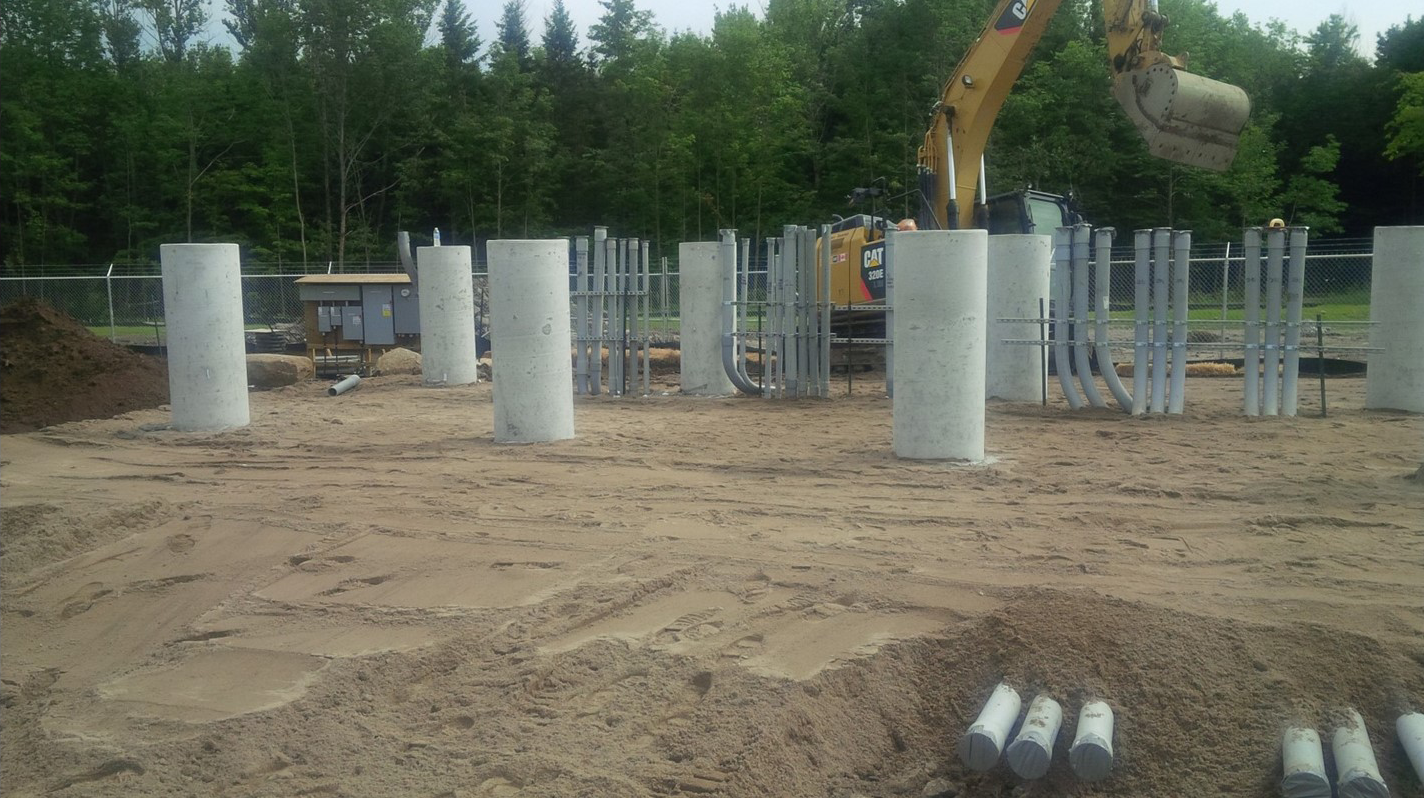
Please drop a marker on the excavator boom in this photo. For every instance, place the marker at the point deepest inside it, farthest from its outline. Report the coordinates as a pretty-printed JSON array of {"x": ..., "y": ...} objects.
[{"x": 1183, "y": 117}]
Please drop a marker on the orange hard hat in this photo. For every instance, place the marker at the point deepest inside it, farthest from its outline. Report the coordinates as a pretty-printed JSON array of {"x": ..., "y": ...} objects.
[{"x": 907, "y": 224}]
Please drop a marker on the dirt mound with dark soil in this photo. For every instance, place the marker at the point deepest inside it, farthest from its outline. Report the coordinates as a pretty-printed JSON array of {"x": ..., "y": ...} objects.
[{"x": 53, "y": 370}]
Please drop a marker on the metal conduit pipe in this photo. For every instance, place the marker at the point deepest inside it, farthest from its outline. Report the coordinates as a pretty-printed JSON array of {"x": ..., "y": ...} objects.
[
  {"x": 727, "y": 262},
  {"x": 825, "y": 296},
  {"x": 1181, "y": 277},
  {"x": 790, "y": 255},
  {"x": 1078, "y": 269},
  {"x": 889, "y": 314},
  {"x": 1102, "y": 279},
  {"x": 581, "y": 314},
  {"x": 1251, "y": 274},
  {"x": 1275, "y": 251},
  {"x": 1062, "y": 265},
  {"x": 1295, "y": 297},
  {"x": 1141, "y": 296},
  {"x": 599, "y": 305},
  {"x": 1161, "y": 270},
  {"x": 646, "y": 318}
]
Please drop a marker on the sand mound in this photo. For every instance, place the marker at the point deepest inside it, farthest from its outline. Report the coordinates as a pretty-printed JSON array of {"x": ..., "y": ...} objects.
[
  {"x": 398, "y": 361},
  {"x": 275, "y": 371},
  {"x": 55, "y": 370}
]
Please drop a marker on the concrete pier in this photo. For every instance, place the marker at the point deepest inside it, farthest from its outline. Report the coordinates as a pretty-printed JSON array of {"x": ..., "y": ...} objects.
[{"x": 207, "y": 351}]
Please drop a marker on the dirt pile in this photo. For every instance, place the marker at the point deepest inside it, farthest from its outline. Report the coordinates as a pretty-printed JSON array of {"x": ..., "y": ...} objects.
[{"x": 55, "y": 370}]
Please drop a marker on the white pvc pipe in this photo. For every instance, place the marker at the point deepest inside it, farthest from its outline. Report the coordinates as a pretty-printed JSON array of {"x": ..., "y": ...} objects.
[
  {"x": 1410, "y": 728},
  {"x": 1032, "y": 750},
  {"x": 824, "y": 295},
  {"x": 791, "y": 331},
  {"x": 889, "y": 265},
  {"x": 1357, "y": 772},
  {"x": 1082, "y": 234},
  {"x": 529, "y": 322},
  {"x": 1161, "y": 271},
  {"x": 447, "y": 316},
  {"x": 1102, "y": 278},
  {"x": 770, "y": 356},
  {"x": 1141, "y": 298},
  {"x": 1062, "y": 308},
  {"x": 1019, "y": 267},
  {"x": 581, "y": 314},
  {"x": 1395, "y": 379},
  {"x": 647, "y": 320},
  {"x": 941, "y": 284},
  {"x": 1251, "y": 274},
  {"x": 700, "y": 300},
  {"x": 981, "y": 745},
  {"x": 1303, "y": 765},
  {"x": 207, "y": 349},
  {"x": 1295, "y": 297},
  {"x": 1181, "y": 297},
  {"x": 344, "y": 385},
  {"x": 1092, "y": 753},
  {"x": 1275, "y": 249}
]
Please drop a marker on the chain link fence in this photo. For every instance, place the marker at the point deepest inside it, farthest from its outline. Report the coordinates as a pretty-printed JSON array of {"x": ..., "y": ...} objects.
[{"x": 126, "y": 302}]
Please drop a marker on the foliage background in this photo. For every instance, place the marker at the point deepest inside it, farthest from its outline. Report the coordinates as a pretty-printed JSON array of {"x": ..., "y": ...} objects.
[{"x": 334, "y": 123}]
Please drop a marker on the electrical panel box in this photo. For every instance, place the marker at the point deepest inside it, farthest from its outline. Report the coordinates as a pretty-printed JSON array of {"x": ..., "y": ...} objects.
[
  {"x": 352, "y": 329},
  {"x": 407, "y": 304},
  {"x": 379, "y": 311},
  {"x": 323, "y": 318}
]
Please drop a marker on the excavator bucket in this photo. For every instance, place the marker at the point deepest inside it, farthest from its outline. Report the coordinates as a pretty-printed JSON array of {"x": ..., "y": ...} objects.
[{"x": 1184, "y": 117}]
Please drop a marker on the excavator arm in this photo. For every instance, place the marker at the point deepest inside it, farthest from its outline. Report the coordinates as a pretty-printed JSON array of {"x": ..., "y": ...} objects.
[{"x": 1183, "y": 117}]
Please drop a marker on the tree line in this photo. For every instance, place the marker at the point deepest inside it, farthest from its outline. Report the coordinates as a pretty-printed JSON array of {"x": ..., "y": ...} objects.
[{"x": 331, "y": 124}]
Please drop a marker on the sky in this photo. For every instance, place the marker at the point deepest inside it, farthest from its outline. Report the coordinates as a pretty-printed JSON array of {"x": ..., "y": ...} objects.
[{"x": 1372, "y": 18}]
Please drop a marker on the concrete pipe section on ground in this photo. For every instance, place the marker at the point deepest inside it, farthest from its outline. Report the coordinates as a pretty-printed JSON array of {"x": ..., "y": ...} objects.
[
  {"x": 529, "y": 334},
  {"x": 207, "y": 351},
  {"x": 447, "y": 316},
  {"x": 941, "y": 298}
]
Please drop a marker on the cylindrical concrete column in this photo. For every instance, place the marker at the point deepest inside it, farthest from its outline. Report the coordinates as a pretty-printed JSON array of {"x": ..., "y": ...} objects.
[
  {"x": 699, "y": 294},
  {"x": 941, "y": 298},
  {"x": 529, "y": 333},
  {"x": 207, "y": 353},
  {"x": 447, "y": 316},
  {"x": 1018, "y": 285},
  {"x": 1395, "y": 380}
]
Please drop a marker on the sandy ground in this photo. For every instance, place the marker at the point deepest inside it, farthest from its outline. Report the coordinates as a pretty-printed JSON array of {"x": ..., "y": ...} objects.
[{"x": 364, "y": 595}]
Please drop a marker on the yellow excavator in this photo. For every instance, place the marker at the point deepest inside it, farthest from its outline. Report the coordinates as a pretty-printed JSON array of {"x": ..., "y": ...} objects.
[{"x": 1184, "y": 118}]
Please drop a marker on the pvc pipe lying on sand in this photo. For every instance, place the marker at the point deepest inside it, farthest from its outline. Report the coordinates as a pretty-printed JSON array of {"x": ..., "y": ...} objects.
[
  {"x": 1357, "y": 772},
  {"x": 1092, "y": 753},
  {"x": 344, "y": 386},
  {"x": 1303, "y": 765},
  {"x": 1411, "y": 736},
  {"x": 981, "y": 745},
  {"x": 1031, "y": 752}
]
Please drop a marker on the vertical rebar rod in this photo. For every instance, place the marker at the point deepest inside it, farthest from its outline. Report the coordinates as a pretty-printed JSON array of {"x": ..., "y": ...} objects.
[
  {"x": 1180, "y": 300},
  {"x": 1161, "y": 271},
  {"x": 1295, "y": 298},
  {"x": 1275, "y": 251},
  {"x": 1251, "y": 325},
  {"x": 1141, "y": 299}
]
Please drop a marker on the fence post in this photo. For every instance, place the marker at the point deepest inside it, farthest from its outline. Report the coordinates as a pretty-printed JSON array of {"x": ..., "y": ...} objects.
[
  {"x": 1225, "y": 286},
  {"x": 109, "y": 287}
]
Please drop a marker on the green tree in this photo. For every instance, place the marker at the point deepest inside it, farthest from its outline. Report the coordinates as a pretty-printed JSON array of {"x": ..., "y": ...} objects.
[{"x": 1406, "y": 129}]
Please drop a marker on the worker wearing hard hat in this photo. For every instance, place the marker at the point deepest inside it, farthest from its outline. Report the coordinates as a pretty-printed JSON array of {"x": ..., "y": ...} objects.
[
  {"x": 1277, "y": 224},
  {"x": 906, "y": 225}
]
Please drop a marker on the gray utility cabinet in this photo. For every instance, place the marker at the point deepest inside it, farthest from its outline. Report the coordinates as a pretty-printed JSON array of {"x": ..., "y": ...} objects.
[
  {"x": 407, "y": 304},
  {"x": 352, "y": 328},
  {"x": 379, "y": 309}
]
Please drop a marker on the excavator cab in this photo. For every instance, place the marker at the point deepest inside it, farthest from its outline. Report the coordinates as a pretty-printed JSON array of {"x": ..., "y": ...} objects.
[{"x": 1028, "y": 211}]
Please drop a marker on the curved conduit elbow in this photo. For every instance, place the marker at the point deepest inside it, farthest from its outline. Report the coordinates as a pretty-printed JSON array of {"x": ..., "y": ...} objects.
[
  {"x": 1102, "y": 252},
  {"x": 727, "y": 259},
  {"x": 1081, "y": 233},
  {"x": 1062, "y": 265}
]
